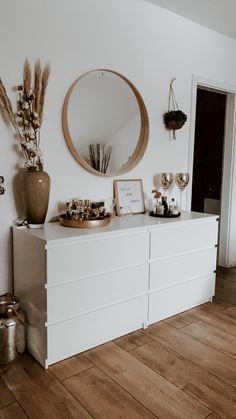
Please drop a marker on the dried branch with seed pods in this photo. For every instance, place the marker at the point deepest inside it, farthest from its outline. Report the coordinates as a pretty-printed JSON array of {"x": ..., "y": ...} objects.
[{"x": 27, "y": 119}]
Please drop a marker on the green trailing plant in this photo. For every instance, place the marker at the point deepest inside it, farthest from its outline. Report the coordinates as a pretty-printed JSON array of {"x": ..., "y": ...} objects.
[{"x": 27, "y": 119}]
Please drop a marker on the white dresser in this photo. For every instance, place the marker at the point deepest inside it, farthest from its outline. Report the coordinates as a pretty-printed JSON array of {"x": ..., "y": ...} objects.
[{"x": 81, "y": 288}]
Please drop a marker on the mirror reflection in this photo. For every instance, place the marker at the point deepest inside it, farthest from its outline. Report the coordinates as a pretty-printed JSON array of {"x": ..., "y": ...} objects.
[{"x": 103, "y": 122}]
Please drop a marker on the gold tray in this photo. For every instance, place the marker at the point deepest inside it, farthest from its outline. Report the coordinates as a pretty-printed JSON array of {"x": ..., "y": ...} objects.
[{"x": 83, "y": 224}]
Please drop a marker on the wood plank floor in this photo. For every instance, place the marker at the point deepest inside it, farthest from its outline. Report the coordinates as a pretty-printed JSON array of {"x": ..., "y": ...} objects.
[{"x": 183, "y": 367}]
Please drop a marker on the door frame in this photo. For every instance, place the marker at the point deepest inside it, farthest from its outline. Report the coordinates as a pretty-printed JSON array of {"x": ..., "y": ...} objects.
[{"x": 228, "y": 163}]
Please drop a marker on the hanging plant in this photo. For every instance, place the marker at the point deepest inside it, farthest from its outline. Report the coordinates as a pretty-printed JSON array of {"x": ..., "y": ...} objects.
[{"x": 173, "y": 119}]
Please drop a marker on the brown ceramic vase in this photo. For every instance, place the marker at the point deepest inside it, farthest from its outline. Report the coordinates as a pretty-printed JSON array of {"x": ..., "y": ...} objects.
[{"x": 36, "y": 189}]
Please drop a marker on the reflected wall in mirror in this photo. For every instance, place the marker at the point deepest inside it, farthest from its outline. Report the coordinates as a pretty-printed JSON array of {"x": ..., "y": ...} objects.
[{"x": 105, "y": 122}]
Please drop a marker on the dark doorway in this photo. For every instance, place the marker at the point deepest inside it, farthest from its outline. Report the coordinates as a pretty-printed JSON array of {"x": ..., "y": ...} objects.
[{"x": 208, "y": 151}]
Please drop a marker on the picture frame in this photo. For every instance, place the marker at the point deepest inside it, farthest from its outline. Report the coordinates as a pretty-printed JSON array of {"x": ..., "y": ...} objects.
[{"x": 129, "y": 196}]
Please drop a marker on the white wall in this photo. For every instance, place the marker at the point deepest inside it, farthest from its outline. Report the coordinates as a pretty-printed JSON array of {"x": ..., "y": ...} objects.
[{"x": 147, "y": 44}]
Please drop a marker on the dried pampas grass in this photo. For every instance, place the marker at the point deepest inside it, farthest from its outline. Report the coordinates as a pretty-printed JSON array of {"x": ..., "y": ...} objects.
[
  {"x": 6, "y": 103},
  {"x": 45, "y": 77},
  {"x": 37, "y": 85},
  {"x": 27, "y": 77}
]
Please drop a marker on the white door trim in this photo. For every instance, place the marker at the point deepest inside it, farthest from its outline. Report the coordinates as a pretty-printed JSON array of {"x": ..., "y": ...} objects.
[{"x": 224, "y": 258}]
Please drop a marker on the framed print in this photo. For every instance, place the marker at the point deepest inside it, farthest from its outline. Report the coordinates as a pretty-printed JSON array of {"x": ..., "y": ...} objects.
[{"x": 129, "y": 196}]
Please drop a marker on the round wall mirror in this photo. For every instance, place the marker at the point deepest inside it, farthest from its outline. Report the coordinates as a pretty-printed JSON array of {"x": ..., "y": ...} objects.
[{"x": 105, "y": 122}]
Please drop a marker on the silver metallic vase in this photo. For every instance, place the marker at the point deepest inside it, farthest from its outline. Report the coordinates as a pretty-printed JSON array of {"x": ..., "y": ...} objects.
[{"x": 12, "y": 329}]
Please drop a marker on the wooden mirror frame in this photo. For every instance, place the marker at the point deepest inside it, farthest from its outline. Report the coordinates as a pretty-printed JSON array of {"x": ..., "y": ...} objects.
[{"x": 143, "y": 137}]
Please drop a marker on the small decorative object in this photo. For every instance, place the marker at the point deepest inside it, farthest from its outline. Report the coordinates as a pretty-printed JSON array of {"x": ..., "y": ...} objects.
[
  {"x": 12, "y": 329},
  {"x": 83, "y": 213},
  {"x": 100, "y": 155},
  {"x": 2, "y": 189},
  {"x": 157, "y": 194},
  {"x": 182, "y": 180},
  {"x": 110, "y": 206},
  {"x": 26, "y": 122},
  {"x": 129, "y": 195},
  {"x": 173, "y": 119},
  {"x": 173, "y": 207},
  {"x": 162, "y": 209},
  {"x": 158, "y": 207}
]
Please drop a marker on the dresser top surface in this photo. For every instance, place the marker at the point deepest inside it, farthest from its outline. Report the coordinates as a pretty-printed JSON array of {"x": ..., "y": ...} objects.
[{"x": 53, "y": 231}]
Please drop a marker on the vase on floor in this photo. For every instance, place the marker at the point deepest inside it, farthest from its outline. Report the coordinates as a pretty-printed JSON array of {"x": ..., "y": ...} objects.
[{"x": 36, "y": 189}]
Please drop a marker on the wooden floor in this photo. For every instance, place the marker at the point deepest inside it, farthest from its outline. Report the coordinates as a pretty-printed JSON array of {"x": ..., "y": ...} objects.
[{"x": 183, "y": 367}]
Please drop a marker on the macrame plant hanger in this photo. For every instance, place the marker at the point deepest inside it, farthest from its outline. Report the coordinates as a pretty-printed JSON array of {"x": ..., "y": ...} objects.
[
  {"x": 174, "y": 119},
  {"x": 172, "y": 101}
]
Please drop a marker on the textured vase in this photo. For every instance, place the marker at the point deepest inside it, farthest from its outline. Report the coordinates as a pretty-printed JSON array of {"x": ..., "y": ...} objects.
[{"x": 36, "y": 189}]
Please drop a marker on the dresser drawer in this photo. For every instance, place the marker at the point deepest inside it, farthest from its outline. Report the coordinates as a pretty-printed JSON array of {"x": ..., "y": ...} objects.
[
  {"x": 87, "y": 258},
  {"x": 170, "y": 301},
  {"x": 171, "y": 241},
  {"x": 76, "y": 335},
  {"x": 171, "y": 271},
  {"x": 96, "y": 292}
]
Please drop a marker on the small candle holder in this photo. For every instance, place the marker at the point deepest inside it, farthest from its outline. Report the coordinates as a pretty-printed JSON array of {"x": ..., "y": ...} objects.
[
  {"x": 182, "y": 180},
  {"x": 165, "y": 180}
]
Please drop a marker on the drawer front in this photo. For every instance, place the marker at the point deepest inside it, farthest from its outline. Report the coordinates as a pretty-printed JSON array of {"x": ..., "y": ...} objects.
[
  {"x": 167, "y": 272},
  {"x": 89, "y": 258},
  {"x": 96, "y": 292},
  {"x": 186, "y": 238},
  {"x": 76, "y": 335},
  {"x": 170, "y": 301}
]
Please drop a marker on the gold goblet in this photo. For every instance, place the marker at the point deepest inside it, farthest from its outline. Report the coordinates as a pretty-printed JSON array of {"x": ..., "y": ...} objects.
[
  {"x": 165, "y": 180},
  {"x": 182, "y": 180}
]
